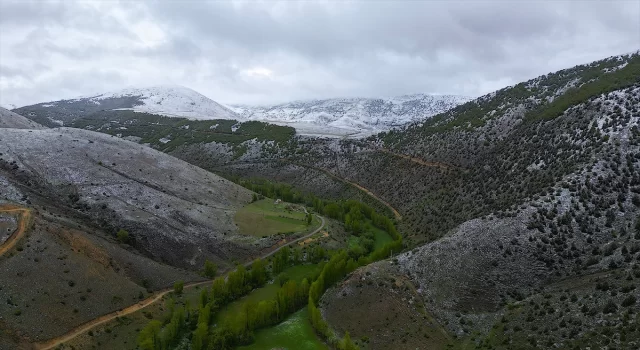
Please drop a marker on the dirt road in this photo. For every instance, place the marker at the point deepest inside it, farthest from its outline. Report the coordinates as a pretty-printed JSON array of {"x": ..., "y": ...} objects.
[
  {"x": 52, "y": 343},
  {"x": 23, "y": 223},
  {"x": 423, "y": 162},
  {"x": 361, "y": 188}
]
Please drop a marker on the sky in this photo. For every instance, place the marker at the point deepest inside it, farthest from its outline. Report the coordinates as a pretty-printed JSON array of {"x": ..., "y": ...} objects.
[{"x": 264, "y": 52}]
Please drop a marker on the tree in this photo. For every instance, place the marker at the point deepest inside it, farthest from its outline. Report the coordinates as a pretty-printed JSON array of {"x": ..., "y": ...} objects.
[
  {"x": 309, "y": 219},
  {"x": 210, "y": 269},
  {"x": 258, "y": 273},
  {"x": 123, "y": 236},
  {"x": 178, "y": 287},
  {"x": 148, "y": 338},
  {"x": 346, "y": 343}
]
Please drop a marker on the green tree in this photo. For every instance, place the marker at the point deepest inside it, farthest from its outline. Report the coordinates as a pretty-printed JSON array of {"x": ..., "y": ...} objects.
[
  {"x": 148, "y": 338},
  {"x": 123, "y": 236},
  {"x": 178, "y": 287},
  {"x": 210, "y": 269},
  {"x": 309, "y": 219},
  {"x": 347, "y": 343}
]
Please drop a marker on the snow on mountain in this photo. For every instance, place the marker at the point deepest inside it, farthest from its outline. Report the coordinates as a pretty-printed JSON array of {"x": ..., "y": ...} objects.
[
  {"x": 351, "y": 116},
  {"x": 173, "y": 101}
]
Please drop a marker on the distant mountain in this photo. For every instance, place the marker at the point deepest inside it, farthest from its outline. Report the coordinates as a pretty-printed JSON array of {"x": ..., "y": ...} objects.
[
  {"x": 351, "y": 116},
  {"x": 173, "y": 101}
]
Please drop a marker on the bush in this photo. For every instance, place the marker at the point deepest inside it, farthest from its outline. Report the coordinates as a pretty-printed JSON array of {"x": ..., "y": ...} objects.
[
  {"x": 210, "y": 269},
  {"x": 123, "y": 236},
  {"x": 178, "y": 287},
  {"x": 282, "y": 278},
  {"x": 628, "y": 301},
  {"x": 610, "y": 307}
]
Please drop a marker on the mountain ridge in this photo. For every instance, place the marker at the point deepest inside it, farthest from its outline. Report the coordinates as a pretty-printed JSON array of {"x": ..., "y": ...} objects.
[{"x": 357, "y": 116}]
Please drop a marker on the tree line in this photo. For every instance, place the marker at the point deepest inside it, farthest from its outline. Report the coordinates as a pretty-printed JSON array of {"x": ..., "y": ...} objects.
[{"x": 194, "y": 324}]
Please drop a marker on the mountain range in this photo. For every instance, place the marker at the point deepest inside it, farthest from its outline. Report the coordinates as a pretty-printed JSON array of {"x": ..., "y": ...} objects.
[
  {"x": 353, "y": 117},
  {"x": 519, "y": 216}
]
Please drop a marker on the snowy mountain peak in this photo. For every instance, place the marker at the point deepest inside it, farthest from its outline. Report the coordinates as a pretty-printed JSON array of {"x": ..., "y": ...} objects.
[
  {"x": 169, "y": 100},
  {"x": 351, "y": 116}
]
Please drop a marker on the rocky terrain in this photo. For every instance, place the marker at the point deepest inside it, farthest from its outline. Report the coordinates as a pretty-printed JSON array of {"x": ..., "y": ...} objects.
[
  {"x": 9, "y": 119},
  {"x": 121, "y": 184},
  {"x": 548, "y": 256}
]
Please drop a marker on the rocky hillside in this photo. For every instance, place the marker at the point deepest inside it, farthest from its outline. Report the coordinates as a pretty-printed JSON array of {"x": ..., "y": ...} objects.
[
  {"x": 100, "y": 223},
  {"x": 537, "y": 189},
  {"x": 351, "y": 116},
  {"x": 117, "y": 184},
  {"x": 9, "y": 119},
  {"x": 173, "y": 101}
]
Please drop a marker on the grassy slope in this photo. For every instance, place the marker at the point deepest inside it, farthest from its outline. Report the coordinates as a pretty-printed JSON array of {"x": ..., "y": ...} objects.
[{"x": 264, "y": 218}]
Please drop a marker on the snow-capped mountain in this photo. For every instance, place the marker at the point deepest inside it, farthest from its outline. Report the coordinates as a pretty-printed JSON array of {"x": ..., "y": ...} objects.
[
  {"x": 172, "y": 101},
  {"x": 351, "y": 116}
]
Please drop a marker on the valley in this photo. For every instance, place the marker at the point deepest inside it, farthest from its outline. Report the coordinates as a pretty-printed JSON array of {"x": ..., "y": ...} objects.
[{"x": 511, "y": 221}]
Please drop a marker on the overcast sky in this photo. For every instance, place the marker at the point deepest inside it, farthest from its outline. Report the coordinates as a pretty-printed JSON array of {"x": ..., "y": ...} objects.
[{"x": 264, "y": 52}]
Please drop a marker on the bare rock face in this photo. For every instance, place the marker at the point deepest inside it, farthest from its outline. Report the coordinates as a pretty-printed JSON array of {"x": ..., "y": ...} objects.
[
  {"x": 12, "y": 120},
  {"x": 174, "y": 211}
]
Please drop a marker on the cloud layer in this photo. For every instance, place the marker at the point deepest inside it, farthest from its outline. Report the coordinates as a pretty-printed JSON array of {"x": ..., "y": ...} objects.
[{"x": 264, "y": 52}]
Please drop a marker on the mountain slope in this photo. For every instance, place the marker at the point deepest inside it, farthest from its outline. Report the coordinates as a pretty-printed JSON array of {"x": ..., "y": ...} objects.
[
  {"x": 541, "y": 222},
  {"x": 121, "y": 184},
  {"x": 356, "y": 116},
  {"x": 9, "y": 119},
  {"x": 173, "y": 101}
]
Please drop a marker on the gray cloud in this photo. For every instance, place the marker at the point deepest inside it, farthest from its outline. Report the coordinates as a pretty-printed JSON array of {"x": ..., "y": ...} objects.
[{"x": 261, "y": 52}]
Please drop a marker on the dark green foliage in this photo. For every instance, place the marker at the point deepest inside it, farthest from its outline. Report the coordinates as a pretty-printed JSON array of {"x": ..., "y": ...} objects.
[
  {"x": 123, "y": 236},
  {"x": 605, "y": 82},
  {"x": 628, "y": 301},
  {"x": 610, "y": 307},
  {"x": 178, "y": 287},
  {"x": 152, "y": 128},
  {"x": 210, "y": 269}
]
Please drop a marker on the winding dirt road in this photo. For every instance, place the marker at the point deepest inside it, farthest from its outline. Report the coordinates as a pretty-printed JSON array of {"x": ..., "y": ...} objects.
[
  {"x": 356, "y": 185},
  {"x": 23, "y": 221},
  {"x": 52, "y": 343}
]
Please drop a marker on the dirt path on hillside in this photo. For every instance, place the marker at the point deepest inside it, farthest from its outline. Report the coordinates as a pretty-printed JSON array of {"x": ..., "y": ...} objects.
[
  {"x": 356, "y": 185},
  {"x": 423, "y": 162},
  {"x": 52, "y": 343},
  {"x": 23, "y": 221}
]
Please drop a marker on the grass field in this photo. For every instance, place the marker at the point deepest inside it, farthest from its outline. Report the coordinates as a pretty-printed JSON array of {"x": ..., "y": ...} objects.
[
  {"x": 381, "y": 237},
  {"x": 265, "y": 218},
  {"x": 269, "y": 291},
  {"x": 294, "y": 333}
]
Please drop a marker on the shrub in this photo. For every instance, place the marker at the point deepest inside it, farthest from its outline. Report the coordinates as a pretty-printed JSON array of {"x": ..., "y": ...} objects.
[
  {"x": 178, "y": 287},
  {"x": 123, "y": 236},
  {"x": 628, "y": 301},
  {"x": 210, "y": 269},
  {"x": 610, "y": 307}
]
